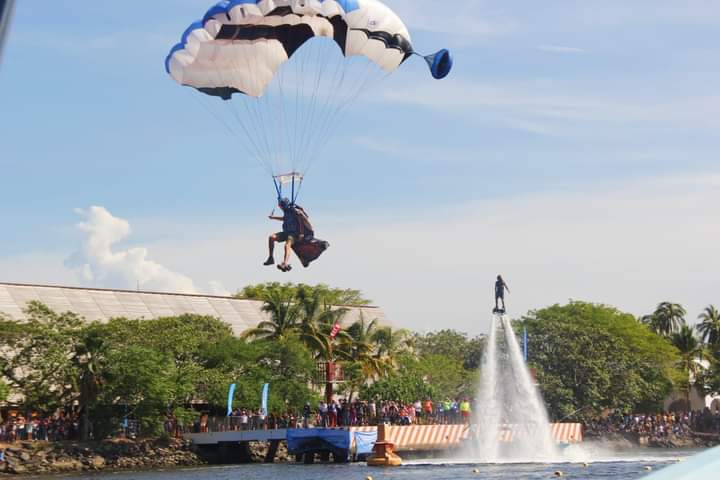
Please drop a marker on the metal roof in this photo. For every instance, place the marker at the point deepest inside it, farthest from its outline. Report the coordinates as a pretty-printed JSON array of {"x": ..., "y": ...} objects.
[{"x": 96, "y": 304}]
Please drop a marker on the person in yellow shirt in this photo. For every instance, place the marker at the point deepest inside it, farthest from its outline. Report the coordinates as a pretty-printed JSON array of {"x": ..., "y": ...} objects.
[{"x": 465, "y": 410}]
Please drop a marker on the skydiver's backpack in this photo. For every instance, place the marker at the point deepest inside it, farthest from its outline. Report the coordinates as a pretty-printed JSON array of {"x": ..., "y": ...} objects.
[
  {"x": 309, "y": 248},
  {"x": 306, "y": 228}
]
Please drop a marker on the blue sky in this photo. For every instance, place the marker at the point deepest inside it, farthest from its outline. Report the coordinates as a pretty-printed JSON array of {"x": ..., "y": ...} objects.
[{"x": 573, "y": 148}]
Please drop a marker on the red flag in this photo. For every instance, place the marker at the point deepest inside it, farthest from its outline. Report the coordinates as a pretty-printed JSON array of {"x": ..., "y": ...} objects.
[{"x": 335, "y": 330}]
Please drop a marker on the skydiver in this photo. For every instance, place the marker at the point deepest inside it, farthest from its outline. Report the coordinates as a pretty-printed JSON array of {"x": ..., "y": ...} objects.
[
  {"x": 500, "y": 287},
  {"x": 290, "y": 233}
]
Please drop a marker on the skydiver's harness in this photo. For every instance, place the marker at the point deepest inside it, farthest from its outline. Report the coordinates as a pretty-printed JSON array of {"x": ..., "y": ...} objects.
[{"x": 294, "y": 179}]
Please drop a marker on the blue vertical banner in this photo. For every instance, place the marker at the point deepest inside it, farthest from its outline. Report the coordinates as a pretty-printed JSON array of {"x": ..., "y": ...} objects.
[
  {"x": 264, "y": 404},
  {"x": 231, "y": 395},
  {"x": 525, "y": 344}
]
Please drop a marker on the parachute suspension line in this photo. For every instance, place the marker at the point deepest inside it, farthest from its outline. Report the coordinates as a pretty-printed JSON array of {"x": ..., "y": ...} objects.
[
  {"x": 284, "y": 147},
  {"x": 256, "y": 154},
  {"x": 334, "y": 93},
  {"x": 299, "y": 93},
  {"x": 354, "y": 90},
  {"x": 257, "y": 103},
  {"x": 278, "y": 188},
  {"x": 306, "y": 118},
  {"x": 232, "y": 133},
  {"x": 254, "y": 111},
  {"x": 232, "y": 108},
  {"x": 321, "y": 110},
  {"x": 319, "y": 69}
]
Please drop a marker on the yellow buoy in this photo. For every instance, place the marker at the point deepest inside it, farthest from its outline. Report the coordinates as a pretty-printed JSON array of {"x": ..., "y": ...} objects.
[
  {"x": 558, "y": 473},
  {"x": 476, "y": 470},
  {"x": 368, "y": 478},
  {"x": 586, "y": 464},
  {"x": 648, "y": 467}
]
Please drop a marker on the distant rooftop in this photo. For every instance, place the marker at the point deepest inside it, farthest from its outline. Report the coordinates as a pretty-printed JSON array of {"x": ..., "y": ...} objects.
[{"x": 96, "y": 304}]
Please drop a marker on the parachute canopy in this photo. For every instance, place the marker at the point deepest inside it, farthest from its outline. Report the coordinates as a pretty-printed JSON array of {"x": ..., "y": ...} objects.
[{"x": 239, "y": 45}]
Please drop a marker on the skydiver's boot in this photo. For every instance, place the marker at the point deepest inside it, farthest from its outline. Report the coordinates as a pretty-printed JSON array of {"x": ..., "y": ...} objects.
[{"x": 269, "y": 261}]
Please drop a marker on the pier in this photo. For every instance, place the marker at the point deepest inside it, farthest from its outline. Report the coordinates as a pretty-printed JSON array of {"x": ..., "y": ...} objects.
[{"x": 346, "y": 444}]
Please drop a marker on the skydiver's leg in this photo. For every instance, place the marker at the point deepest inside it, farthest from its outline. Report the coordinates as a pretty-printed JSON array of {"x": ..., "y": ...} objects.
[
  {"x": 271, "y": 248},
  {"x": 288, "y": 249},
  {"x": 496, "y": 302}
]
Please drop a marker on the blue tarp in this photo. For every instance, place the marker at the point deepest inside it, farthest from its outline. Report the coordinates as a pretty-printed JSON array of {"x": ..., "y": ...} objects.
[
  {"x": 300, "y": 440},
  {"x": 364, "y": 442}
]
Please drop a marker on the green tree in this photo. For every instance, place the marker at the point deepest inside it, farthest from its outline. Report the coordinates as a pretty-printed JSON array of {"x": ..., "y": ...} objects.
[
  {"x": 143, "y": 380},
  {"x": 358, "y": 354},
  {"x": 390, "y": 343},
  {"x": 667, "y": 318},
  {"x": 4, "y": 391},
  {"x": 403, "y": 386},
  {"x": 284, "y": 312},
  {"x": 334, "y": 296},
  {"x": 317, "y": 318},
  {"x": 445, "y": 374},
  {"x": 593, "y": 357},
  {"x": 691, "y": 352},
  {"x": 709, "y": 327},
  {"x": 452, "y": 344},
  {"x": 289, "y": 369},
  {"x": 39, "y": 358}
]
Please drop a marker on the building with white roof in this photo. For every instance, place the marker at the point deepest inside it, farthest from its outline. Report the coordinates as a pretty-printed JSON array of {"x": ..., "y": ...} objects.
[{"x": 95, "y": 304}]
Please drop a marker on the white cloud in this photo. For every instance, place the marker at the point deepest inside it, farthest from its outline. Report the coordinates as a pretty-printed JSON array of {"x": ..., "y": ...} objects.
[
  {"x": 100, "y": 263},
  {"x": 559, "y": 49}
]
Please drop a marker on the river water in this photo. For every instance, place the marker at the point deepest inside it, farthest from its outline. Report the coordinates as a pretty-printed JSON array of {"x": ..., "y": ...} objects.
[{"x": 626, "y": 466}]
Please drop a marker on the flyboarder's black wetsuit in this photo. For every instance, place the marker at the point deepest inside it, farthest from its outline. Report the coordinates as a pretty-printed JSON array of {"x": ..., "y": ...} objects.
[{"x": 500, "y": 287}]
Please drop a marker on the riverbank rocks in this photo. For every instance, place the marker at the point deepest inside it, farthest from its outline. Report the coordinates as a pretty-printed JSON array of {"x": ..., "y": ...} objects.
[{"x": 30, "y": 458}]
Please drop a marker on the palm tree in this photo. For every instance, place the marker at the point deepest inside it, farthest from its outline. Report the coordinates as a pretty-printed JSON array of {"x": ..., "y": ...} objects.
[
  {"x": 360, "y": 345},
  {"x": 709, "y": 327},
  {"x": 390, "y": 343},
  {"x": 317, "y": 318},
  {"x": 284, "y": 314},
  {"x": 691, "y": 352},
  {"x": 359, "y": 352},
  {"x": 667, "y": 318}
]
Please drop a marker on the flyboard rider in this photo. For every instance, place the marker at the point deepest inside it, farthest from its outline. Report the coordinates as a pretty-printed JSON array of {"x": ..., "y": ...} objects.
[{"x": 500, "y": 287}]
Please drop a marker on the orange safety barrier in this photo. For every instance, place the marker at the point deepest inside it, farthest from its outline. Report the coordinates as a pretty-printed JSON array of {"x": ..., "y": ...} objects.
[{"x": 441, "y": 437}]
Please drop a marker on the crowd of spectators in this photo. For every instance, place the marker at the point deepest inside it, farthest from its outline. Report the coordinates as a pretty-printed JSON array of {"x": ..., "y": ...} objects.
[
  {"x": 17, "y": 427},
  {"x": 342, "y": 413},
  {"x": 657, "y": 426},
  {"x": 362, "y": 413}
]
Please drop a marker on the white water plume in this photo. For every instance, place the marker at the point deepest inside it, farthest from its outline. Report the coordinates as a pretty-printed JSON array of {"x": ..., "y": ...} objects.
[{"x": 511, "y": 423}]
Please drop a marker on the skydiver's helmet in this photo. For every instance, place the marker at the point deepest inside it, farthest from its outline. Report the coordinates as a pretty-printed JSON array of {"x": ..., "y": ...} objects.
[
  {"x": 284, "y": 203},
  {"x": 499, "y": 277}
]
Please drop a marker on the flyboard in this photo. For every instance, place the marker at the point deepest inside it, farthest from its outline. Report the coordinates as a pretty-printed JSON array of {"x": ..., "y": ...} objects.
[{"x": 499, "y": 314}]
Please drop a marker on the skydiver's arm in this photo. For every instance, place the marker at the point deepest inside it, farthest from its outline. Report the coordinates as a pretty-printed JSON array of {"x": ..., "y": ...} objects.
[
  {"x": 506, "y": 287},
  {"x": 280, "y": 219}
]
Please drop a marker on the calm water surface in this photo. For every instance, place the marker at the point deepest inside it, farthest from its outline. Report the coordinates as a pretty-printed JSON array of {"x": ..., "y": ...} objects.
[{"x": 630, "y": 465}]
